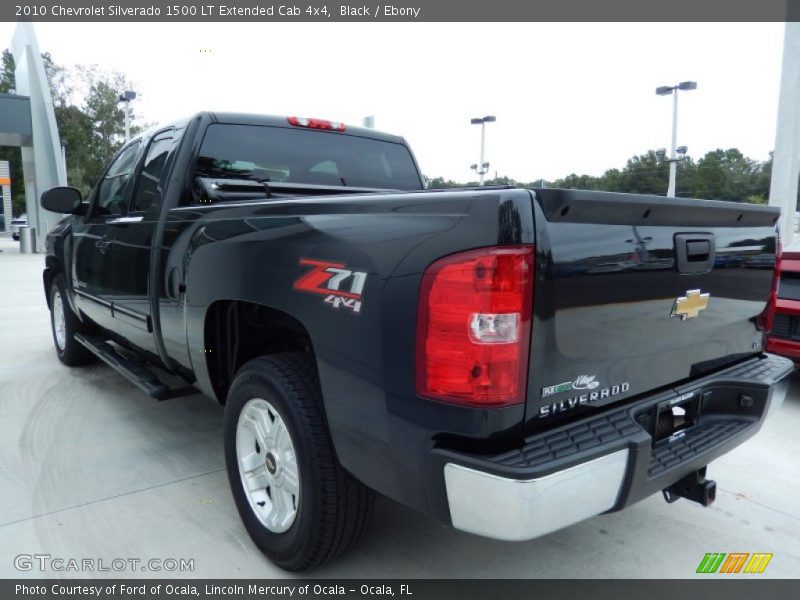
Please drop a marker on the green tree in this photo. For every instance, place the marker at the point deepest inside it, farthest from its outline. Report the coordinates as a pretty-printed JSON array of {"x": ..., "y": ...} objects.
[
  {"x": 7, "y": 73},
  {"x": 60, "y": 80},
  {"x": 762, "y": 181},
  {"x": 645, "y": 174},
  {"x": 503, "y": 180},
  {"x": 93, "y": 131},
  {"x": 440, "y": 183},
  {"x": 719, "y": 175},
  {"x": 727, "y": 175},
  {"x": 105, "y": 112},
  {"x": 538, "y": 183},
  {"x": 578, "y": 182},
  {"x": 75, "y": 129}
]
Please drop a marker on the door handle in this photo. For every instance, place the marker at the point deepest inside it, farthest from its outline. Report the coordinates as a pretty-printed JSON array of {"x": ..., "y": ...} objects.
[
  {"x": 103, "y": 244},
  {"x": 174, "y": 286}
]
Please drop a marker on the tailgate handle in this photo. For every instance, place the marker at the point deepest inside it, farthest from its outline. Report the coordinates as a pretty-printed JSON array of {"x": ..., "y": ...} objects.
[
  {"x": 698, "y": 250},
  {"x": 694, "y": 252}
]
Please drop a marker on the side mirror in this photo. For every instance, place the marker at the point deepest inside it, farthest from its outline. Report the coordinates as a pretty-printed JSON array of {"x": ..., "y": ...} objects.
[{"x": 65, "y": 200}]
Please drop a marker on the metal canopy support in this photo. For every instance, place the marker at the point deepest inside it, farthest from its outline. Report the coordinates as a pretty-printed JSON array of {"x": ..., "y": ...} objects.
[
  {"x": 786, "y": 160},
  {"x": 42, "y": 161}
]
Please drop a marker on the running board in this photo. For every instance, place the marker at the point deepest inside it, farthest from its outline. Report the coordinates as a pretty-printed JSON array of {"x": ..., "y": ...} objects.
[{"x": 136, "y": 372}]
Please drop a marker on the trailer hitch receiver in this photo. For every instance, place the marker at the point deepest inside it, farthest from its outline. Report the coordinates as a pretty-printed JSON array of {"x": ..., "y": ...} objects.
[{"x": 694, "y": 487}]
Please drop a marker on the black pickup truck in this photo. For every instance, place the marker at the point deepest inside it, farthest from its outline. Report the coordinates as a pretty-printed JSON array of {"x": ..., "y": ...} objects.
[{"x": 508, "y": 361}]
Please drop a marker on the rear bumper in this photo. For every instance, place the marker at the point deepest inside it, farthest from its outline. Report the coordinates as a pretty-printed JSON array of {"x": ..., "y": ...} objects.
[
  {"x": 607, "y": 462},
  {"x": 522, "y": 509}
]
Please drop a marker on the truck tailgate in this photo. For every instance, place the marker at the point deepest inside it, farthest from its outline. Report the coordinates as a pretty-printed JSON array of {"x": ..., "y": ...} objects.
[{"x": 635, "y": 293}]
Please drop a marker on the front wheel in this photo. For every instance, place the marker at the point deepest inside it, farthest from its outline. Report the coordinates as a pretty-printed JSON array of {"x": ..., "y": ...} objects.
[
  {"x": 300, "y": 507},
  {"x": 65, "y": 325}
]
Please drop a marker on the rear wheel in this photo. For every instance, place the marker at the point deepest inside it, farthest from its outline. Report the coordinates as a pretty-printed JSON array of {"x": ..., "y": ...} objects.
[
  {"x": 65, "y": 325},
  {"x": 300, "y": 507},
  {"x": 267, "y": 462}
]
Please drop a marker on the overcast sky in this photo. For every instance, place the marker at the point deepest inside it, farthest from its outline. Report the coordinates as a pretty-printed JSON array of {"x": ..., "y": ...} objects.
[{"x": 568, "y": 97}]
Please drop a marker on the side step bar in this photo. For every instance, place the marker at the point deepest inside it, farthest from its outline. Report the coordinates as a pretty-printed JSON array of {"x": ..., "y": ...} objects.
[{"x": 136, "y": 372}]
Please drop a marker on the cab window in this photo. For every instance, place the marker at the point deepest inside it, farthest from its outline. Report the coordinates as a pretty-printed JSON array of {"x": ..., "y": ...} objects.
[
  {"x": 113, "y": 191},
  {"x": 147, "y": 196},
  {"x": 292, "y": 155}
]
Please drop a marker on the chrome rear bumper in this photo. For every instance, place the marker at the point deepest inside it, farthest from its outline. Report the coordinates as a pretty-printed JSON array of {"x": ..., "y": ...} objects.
[{"x": 514, "y": 510}]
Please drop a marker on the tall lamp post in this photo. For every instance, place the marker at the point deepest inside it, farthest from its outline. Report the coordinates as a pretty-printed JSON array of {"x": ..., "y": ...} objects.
[
  {"x": 666, "y": 90},
  {"x": 483, "y": 167},
  {"x": 126, "y": 97}
]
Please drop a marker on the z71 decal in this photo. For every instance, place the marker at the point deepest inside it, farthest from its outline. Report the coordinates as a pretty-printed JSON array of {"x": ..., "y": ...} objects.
[{"x": 341, "y": 287}]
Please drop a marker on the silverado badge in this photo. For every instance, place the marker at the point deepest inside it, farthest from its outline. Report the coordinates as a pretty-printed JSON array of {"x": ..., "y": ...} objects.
[{"x": 690, "y": 305}]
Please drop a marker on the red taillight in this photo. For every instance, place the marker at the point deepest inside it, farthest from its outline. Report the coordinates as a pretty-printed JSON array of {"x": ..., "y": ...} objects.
[
  {"x": 768, "y": 316},
  {"x": 316, "y": 123},
  {"x": 473, "y": 327}
]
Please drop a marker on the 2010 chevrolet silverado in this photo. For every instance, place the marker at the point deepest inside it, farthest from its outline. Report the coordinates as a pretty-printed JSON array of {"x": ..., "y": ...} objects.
[{"x": 508, "y": 361}]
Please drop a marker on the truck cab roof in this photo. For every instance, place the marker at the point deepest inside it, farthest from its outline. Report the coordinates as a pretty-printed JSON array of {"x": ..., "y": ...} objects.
[
  {"x": 283, "y": 121},
  {"x": 236, "y": 118}
]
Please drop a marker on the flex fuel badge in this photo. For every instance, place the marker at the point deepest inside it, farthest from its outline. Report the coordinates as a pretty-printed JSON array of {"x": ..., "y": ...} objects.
[
  {"x": 556, "y": 389},
  {"x": 583, "y": 383},
  {"x": 342, "y": 287}
]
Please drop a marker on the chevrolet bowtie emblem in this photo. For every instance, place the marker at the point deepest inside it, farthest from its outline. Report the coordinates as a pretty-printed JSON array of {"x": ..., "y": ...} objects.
[{"x": 690, "y": 305}]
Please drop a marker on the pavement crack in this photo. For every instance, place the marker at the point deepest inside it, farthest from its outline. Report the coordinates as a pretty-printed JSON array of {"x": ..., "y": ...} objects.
[{"x": 130, "y": 493}]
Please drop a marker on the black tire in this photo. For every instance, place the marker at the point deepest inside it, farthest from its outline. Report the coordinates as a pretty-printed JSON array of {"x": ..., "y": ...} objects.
[
  {"x": 71, "y": 353},
  {"x": 334, "y": 508}
]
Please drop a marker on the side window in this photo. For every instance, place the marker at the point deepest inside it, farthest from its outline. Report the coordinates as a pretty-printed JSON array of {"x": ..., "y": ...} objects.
[
  {"x": 147, "y": 195},
  {"x": 113, "y": 188}
]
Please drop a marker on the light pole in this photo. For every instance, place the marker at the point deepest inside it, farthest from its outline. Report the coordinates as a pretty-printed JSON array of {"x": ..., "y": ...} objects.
[
  {"x": 666, "y": 90},
  {"x": 126, "y": 98},
  {"x": 483, "y": 167}
]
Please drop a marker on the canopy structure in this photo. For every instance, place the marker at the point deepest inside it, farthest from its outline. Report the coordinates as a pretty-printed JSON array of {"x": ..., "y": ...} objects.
[
  {"x": 27, "y": 120},
  {"x": 786, "y": 160}
]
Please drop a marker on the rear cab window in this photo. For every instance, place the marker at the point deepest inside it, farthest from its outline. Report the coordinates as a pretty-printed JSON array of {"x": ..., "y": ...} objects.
[{"x": 276, "y": 154}]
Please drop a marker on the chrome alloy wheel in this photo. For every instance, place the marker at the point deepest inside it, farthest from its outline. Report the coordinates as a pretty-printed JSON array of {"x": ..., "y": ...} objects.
[
  {"x": 59, "y": 321},
  {"x": 268, "y": 465}
]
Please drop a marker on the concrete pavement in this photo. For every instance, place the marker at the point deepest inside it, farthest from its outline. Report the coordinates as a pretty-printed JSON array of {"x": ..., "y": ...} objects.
[{"x": 90, "y": 467}]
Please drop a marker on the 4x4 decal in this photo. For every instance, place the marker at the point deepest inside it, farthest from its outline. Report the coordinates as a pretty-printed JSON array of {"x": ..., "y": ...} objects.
[{"x": 341, "y": 287}]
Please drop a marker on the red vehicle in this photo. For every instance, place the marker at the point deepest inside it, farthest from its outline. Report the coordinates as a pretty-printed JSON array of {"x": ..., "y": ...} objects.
[{"x": 785, "y": 336}]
